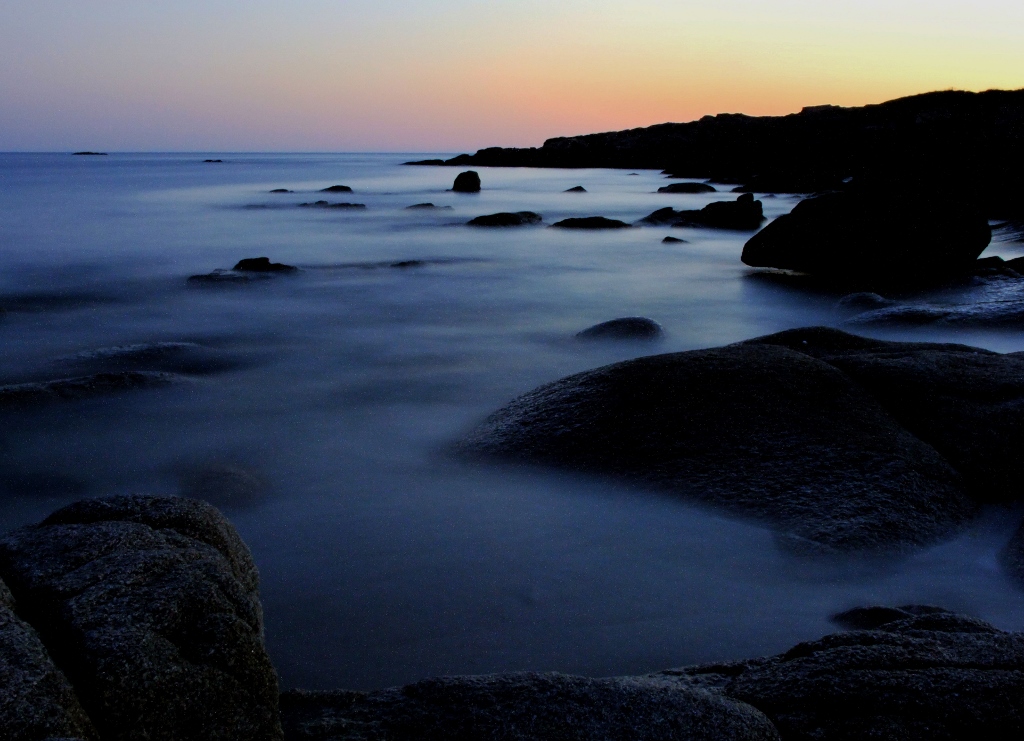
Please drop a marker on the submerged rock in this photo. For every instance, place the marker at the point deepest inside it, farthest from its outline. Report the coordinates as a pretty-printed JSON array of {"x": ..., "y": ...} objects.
[
  {"x": 325, "y": 204},
  {"x": 150, "y": 605},
  {"x": 873, "y": 238},
  {"x": 626, "y": 328},
  {"x": 864, "y": 300},
  {"x": 336, "y": 189},
  {"x": 281, "y": 190},
  {"x": 519, "y": 218},
  {"x": 467, "y": 182},
  {"x": 524, "y": 707},
  {"x": 427, "y": 206},
  {"x": 590, "y": 222},
  {"x": 576, "y": 189},
  {"x": 916, "y": 674},
  {"x": 36, "y": 700},
  {"x": 82, "y": 387},
  {"x": 263, "y": 265},
  {"x": 688, "y": 188},
  {"x": 223, "y": 485}
]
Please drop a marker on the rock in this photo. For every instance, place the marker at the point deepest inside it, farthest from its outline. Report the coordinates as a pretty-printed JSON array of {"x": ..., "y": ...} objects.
[
  {"x": 90, "y": 154},
  {"x": 764, "y": 430},
  {"x": 426, "y": 206},
  {"x": 743, "y": 214},
  {"x": 336, "y": 189},
  {"x": 519, "y": 218},
  {"x": 673, "y": 240},
  {"x": 523, "y": 707},
  {"x": 917, "y": 674},
  {"x": 626, "y": 328},
  {"x": 171, "y": 357},
  {"x": 864, "y": 301},
  {"x": 407, "y": 264},
  {"x": 688, "y": 188},
  {"x": 225, "y": 277},
  {"x": 282, "y": 190},
  {"x": 872, "y": 238},
  {"x": 1012, "y": 557},
  {"x": 223, "y": 485},
  {"x": 434, "y": 162},
  {"x": 83, "y": 387},
  {"x": 262, "y": 265},
  {"x": 467, "y": 182},
  {"x": 1004, "y": 308},
  {"x": 325, "y": 204},
  {"x": 150, "y": 606},
  {"x": 662, "y": 216},
  {"x": 791, "y": 182},
  {"x": 1016, "y": 264},
  {"x": 590, "y": 222},
  {"x": 36, "y": 699},
  {"x": 212, "y": 161},
  {"x": 576, "y": 189}
]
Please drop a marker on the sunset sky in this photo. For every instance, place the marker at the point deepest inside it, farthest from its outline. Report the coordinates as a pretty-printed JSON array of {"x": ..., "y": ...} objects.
[{"x": 456, "y": 75}]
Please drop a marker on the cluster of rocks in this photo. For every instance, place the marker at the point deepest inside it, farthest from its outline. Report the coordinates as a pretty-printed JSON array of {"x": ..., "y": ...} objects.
[
  {"x": 244, "y": 271},
  {"x": 743, "y": 214}
]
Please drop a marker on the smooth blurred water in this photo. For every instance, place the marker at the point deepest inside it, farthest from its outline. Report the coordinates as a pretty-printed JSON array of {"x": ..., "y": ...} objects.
[{"x": 383, "y": 559}]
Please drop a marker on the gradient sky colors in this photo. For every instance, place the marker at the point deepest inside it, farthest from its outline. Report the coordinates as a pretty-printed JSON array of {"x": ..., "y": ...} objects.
[{"x": 455, "y": 75}]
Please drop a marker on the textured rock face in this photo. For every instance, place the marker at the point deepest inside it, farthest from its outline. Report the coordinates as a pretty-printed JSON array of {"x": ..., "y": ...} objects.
[
  {"x": 782, "y": 429},
  {"x": 505, "y": 218},
  {"x": 922, "y": 674},
  {"x": 868, "y": 238},
  {"x": 467, "y": 182},
  {"x": 36, "y": 699},
  {"x": 523, "y": 707},
  {"x": 150, "y": 606}
]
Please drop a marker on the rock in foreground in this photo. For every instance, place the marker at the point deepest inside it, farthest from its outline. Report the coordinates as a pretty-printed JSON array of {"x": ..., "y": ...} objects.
[
  {"x": 519, "y": 218},
  {"x": 467, "y": 182},
  {"x": 523, "y": 707},
  {"x": 920, "y": 674},
  {"x": 866, "y": 238},
  {"x": 150, "y": 606}
]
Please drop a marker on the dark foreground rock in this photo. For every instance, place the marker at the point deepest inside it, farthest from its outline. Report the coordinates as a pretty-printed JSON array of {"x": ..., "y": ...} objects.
[
  {"x": 918, "y": 674},
  {"x": 467, "y": 182},
  {"x": 873, "y": 238},
  {"x": 337, "y": 189},
  {"x": 36, "y": 699},
  {"x": 625, "y": 328},
  {"x": 519, "y": 218},
  {"x": 150, "y": 606},
  {"x": 590, "y": 222},
  {"x": 263, "y": 265},
  {"x": 523, "y": 707},
  {"x": 839, "y": 440},
  {"x": 688, "y": 188}
]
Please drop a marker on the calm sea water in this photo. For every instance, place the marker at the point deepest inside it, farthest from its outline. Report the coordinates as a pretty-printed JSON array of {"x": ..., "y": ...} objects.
[{"x": 383, "y": 560}]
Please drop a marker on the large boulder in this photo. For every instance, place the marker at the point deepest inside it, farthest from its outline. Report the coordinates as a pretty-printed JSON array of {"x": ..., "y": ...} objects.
[
  {"x": 743, "y": 214},
  {"x": 505, "y": 218},
  {"x": 764, "y": 429},
  {"x": 623, "y": 328},
  {"x": 914, "y": 674},
  {"x": 524, "y": 707},
  {"x": 688, "y": 188},
  {"x": 873, "y": 238},
  {"x": 467, "y": 182},
  {"x": 590, "y": 222},
  {"x": 150, "y": 606},
  {"x": 36, "y": 699}
]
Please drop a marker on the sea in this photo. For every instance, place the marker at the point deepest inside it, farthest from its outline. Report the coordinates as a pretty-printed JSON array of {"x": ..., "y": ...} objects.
[{"x": 318, "y": 409}]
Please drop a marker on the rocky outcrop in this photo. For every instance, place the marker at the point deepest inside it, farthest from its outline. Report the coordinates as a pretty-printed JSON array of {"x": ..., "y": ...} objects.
[
  {"x": 36, "y": 699},
  {"x": 576, "y": 189},
  {"x": 524, "y": 707},
  {"x": 263, "y": 265},
  {"x": 688, "y": 188},
  {"x": 325, "y": 204},
  {"x": 150, "y": 606},
  {"x": 245, "y": 271},
  {"x": 838, "y": 440},
  {"x": 467, "y": 182},
  {"x": 519, "y": 218},
  {"x": 427, "y": 207},
  {"x": 83, "y": 387},
  {"x": 872, "y": 238},
  {"x": 912, "y": 674},
  {"x": 590, "y": 222},
  {"x": 281, "y": 190},
  {"x": 673, "y": 240},
  {"x": 743, "y": 214},
  {"x": 336, "y": 189},
  {"x": 625, "y": 328}
]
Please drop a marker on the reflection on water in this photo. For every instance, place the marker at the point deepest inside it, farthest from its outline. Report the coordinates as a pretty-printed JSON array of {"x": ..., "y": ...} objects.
[{"x": 321, "y": 404}]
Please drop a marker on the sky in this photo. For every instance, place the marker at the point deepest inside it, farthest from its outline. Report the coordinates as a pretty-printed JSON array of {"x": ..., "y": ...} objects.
[{"x": 457, "y": 75}]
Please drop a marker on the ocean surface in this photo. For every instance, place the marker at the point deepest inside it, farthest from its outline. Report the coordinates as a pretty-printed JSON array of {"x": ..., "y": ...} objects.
[{"x": 317, "y": 409}]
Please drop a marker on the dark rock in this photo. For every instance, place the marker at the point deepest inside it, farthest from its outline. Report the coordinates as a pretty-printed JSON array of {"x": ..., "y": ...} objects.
[
  {"x": 407, "y": 264},
  {"x": 765, "y": 429},
  {"x": 36, "y": 699},
  {"x": 325, "y": 204},
  {"x": 262, "y": 265},
  {"x": 223, "y": 485},
  {"x": 90, "y": 154},
  {"x": 1016, "y": 264},
  {"x": 865, "y": 301},
  {"x": 171, "y": 357},
  {"x": 425, "y": 162},
  {"x": 519, "y": 218},
  {"x": 576, "y": 189},
  {"x": 427, "y": 206},
  {"x": 873, "y": 618},
  {"x": 591, "y": 222},
  {"x": 467, "y": 182},
  {"x": 870, "y": 238},
  {"x": 212, "y": 161},
  {"x": 336, "y": 189},
  {"x": 688, "y": 188},
  {"x": 743, "y": 214},
  {"x": 626, "y": 328},
  {"x": 523, "y": 707},
  {"x": 923, "y": 675},
  {"x": 673, "y": 240},
  {"x": 282, "y": 190},
  {"x": 791, "y": 182},
  {"x": 1012, "y": 557},
  {"x": 221, "y": 277},
  {"x": 150, "y": 606},
  {"x": 662, "y": 216},
  {"x": 83, "y": 387}
]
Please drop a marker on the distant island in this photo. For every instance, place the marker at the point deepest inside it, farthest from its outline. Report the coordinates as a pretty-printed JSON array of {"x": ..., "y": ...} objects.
[
  {"x": 90, "y": 154},
  {"x": 949, "y": 140}
]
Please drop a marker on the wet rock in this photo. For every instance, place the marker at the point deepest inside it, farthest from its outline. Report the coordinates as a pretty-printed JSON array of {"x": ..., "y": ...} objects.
[
  {"x": 743, "y": 214},
  {"x": 519, "y": 218},
  {"x": 759, "y": 429},
  {"x": 626, "y": 328},
  {"x": 150, "y": 606},
  {"x": 282, "y": 190},
  {"x": 325, "y": 204},
  {"x": 688, "y": 188},
  {"x": 673, "y": 240},
  {"x": 224, "y": 485},
  {"x": 921, "y": 675},
  {"x": 864, "y": 301},
  {"x": 590, "y": 222},
  {"x": 999, "y": 304},
  {"x": 523, "y": 707},
  {"x": 467, "y": 182},
  {"x": 661, "y": 217},
  {"x": 576, "y": 189},
  {"x": 262, "y": 265},
  {"x": 171, "y": 357},
  {"x": 427, "y": 206},
  {"x": 336, "y": 189},
  {"x": 83, "y": 387},
  {"x": 873, "y": 238},
  {"x": 36, "y": 700}
]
